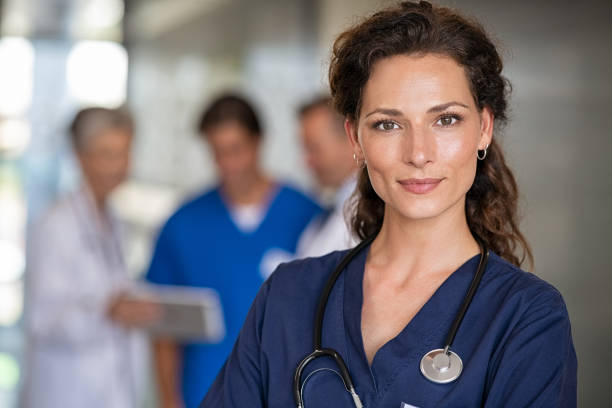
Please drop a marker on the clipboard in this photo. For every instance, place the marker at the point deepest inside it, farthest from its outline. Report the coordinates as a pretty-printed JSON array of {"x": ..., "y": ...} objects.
[{"x": 187, "y": 313}]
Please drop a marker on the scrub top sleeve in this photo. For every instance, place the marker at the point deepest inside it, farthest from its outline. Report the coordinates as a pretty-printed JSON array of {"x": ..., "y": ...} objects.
[
  {"x": 163, "y": 268},
  {"x": 537, "y": 364},
  {"x": 240, "y": 383}
]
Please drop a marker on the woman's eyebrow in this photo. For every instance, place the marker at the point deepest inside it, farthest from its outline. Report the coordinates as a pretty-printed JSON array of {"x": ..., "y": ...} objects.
[
  {"x": 433, "y": 109},
  {"x": 444, "y": 106},
  {"x": 390, "y": 112}
]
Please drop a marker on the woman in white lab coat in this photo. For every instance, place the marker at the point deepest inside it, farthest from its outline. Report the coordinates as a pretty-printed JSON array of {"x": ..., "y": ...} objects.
[{"x": 79, "y": 342}]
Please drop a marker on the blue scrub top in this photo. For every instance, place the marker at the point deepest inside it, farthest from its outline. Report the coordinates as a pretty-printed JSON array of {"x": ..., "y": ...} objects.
[
  {"x": 515, "y": 342},
  {"x": 201, "y": 246}
]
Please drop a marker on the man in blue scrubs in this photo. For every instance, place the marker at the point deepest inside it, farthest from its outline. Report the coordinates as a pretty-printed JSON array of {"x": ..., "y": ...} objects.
[{"x": 228, "y": 239}]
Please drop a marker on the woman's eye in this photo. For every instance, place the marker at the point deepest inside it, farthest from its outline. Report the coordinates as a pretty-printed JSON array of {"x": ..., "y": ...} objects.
[
  {"x": 386, "y": 125},
  {"x": 447, "y": 120}
]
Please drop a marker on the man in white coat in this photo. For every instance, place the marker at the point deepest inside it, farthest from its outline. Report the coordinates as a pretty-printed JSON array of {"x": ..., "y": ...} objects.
[
  {"x": 328, "y": 154},
  {"x": 79, "y": 345}
]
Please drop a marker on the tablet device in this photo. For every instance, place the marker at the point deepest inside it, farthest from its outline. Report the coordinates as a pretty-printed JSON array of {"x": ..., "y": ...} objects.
[{"x": 187, "y": 313}]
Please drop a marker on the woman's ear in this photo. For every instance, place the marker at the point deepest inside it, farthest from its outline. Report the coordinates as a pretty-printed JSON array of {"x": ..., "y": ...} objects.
[
  {"x": 487, "y": 122},
  {"x": 350, "y": 127}
]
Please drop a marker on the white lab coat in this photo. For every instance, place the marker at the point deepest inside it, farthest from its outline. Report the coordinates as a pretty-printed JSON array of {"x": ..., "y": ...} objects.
[
  {"x": 76, "y": 356},
  {"x": 329, "y": 232}
]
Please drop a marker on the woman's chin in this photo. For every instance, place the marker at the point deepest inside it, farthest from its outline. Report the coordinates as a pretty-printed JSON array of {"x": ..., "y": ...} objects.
[{"x": 418, "y": 213}]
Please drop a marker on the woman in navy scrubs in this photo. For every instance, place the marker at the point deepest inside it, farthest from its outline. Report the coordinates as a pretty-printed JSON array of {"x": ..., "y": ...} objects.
[{"x": 423, "y": 96}]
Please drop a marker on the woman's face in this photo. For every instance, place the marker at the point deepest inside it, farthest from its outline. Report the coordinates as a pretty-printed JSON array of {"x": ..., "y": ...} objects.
[{"x": 419, "y": 131}]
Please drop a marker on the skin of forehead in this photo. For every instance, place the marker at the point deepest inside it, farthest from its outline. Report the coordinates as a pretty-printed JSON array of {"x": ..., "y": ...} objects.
[{"x": 415, "y": 83}]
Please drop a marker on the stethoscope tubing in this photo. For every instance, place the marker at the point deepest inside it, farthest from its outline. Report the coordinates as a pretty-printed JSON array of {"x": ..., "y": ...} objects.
[
  {"x": 319, "y": 351},
  {"x": 484, "y": 257},
  {"x": 346, "y": 377},
  {"x": 318, "y": 331},
  {"x": 329, "y": 286}
]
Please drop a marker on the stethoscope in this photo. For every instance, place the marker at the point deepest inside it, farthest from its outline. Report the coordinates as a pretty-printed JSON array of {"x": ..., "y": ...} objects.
[{"x": 439, "y": 365}]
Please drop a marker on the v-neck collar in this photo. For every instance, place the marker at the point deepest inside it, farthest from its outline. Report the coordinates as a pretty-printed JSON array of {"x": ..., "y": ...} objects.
[
  {"x": 271, "y": 199},
  {"x": 424, "y": 332}
]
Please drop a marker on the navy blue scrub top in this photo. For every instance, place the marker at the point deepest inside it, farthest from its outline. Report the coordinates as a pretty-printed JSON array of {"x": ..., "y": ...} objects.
[{"x": 515, "y": 342}]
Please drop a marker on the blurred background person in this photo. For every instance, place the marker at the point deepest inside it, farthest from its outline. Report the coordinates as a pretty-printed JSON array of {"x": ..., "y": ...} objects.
[
  {"x": 228, "y": 239},
  {"x": 79, "y": 353},
  {"x": 329, "y": 156}
]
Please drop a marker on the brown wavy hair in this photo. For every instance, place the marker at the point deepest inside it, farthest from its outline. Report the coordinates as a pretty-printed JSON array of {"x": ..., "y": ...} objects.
[{"x": 420, "y": 28}]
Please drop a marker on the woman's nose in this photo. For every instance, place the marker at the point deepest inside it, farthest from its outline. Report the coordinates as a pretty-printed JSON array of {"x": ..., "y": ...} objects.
[{"x": 419, "y": 147}]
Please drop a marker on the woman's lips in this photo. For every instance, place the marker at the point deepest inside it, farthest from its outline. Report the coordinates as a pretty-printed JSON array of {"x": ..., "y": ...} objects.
[{"x": 420, "y": 186}]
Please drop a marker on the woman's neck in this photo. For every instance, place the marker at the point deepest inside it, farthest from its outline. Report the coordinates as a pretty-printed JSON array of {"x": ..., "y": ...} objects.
[
  {"x": 255, "y": 190},
  {"x": 406, "y": 248}
]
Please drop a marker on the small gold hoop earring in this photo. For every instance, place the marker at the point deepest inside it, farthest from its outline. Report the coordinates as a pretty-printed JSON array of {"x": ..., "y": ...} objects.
[
  {"x": 362, "y": 165},
  {"x": 482, "y": 157}
]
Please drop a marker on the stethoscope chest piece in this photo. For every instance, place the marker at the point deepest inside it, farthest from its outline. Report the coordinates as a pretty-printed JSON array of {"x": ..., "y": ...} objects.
[{"x": 441, "y": 366}]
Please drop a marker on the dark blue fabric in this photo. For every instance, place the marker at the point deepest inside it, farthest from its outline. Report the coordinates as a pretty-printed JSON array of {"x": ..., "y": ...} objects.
[
  {"x": 200, "y": 246},
  {"x": 515, "y": 342}
]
